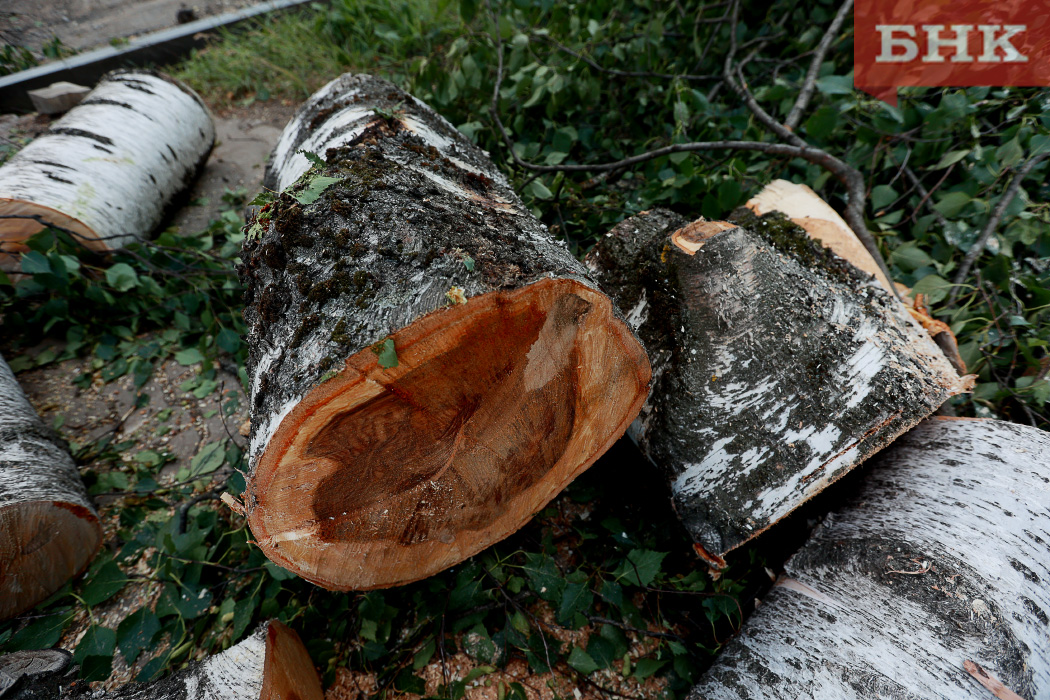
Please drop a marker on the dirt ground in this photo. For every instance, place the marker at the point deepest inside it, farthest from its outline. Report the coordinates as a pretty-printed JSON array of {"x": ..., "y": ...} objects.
[{"x": 89, "y": 24}]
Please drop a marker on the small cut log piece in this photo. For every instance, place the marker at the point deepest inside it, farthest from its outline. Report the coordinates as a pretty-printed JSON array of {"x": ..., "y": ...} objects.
[
  {"x": 109, "y": 170},
  {"x": 271, "y": 664},
  {"x": 777, "y": 365},
  {"x": 931, "y": 583},
  {"x": 428, "y": 366},
  {"x": 49, "y": 530}
]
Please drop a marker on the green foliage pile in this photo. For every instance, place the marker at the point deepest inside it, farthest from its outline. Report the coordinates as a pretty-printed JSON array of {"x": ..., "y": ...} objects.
[
  {"x": 583, "y": 83},
  {"x": 595, "y": 82}
]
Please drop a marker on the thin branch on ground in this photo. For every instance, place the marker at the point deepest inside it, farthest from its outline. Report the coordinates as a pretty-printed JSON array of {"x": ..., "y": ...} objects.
[
  {"x": 992, "y": 225},
  {"x": 810, "y": 82}
]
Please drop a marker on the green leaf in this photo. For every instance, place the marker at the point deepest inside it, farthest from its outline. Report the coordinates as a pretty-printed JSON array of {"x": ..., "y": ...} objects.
[
  {"x": 387, "y": 354},
  {"x": 822, "y": 122},
  {"x": 242, "y": 615},
  {"x": 34, "y": 263},
  {"x": 262, "y": 199},
  {"x": 408, "y": 682},
  {"x": 97, "y": 641},
  {"x": 95, "y": 668},
  {"x": 188, "y": 602},
  {"x": 315, "y": 188},
  {"x": 952, "y": 203},
  {"x": 42, "y": 633},
  {"x": 641, "y": 566},
  {"x": 208, "y": 459},
  {"x": 582, "y": 661},
  {"x": 935, "y": 287},
  {"x": 1010, "y": 153},
  {"x": 539, "y": 190},
  {"x": 278, "y": 573},
  {"x": 467, "y": 10},
  {"x": 910, "y": 257},
  {"x": 122, "y": 277},
  {"x": 577, "y": 598},
  {"x": 729, "y": 194},
  {"x": 104, "y": 584},
  {"x": 136, "y": 631},
  {"x": 189, "y": 356},
  {"x": 644, "y": 668},
  {"x": 950, "y": 158},
  {"x": 313, "y": 158},
  {"x": 544, "y": 577},
  {"x": 835, "y": 84},
  {"x": 882, "y": 196},
  {"x": 228, "y": 340},
  {"x": 681, "y": 112},
  {"x": 468, "y": 262}
]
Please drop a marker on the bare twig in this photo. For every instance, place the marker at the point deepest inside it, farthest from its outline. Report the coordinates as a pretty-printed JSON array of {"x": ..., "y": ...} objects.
[
  {"x": 993, "y": 223},
  {"x": 810, "y": 82},
  {"x": 620, "y": 73},
  {"x": 636, "y": 630}
]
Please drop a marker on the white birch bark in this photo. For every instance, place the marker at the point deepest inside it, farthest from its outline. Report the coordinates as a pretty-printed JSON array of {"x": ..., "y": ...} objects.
[
  {"x": 49, "y": 530},
  {"x": 929, "y": 583},
  {"x": 777, "y": 366},
  {"x": 109, "y": 169}
]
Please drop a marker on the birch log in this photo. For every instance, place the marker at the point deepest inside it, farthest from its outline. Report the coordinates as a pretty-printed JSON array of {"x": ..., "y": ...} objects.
[
  {"x": 109, "y": 170},
  {"x": 49, "y": 531},
  {"x": 428, "y": 367},
  {"x": 930, "y": 583},
  {"x": 271, "y": 664},
  {"x": 777, "y": 366}
]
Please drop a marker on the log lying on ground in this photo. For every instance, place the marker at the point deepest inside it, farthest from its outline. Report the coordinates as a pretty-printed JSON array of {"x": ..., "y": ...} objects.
[
  {"x": 428, "y": 367},
  {"x": 271, "y": 664},
  {"x": 930, "y": 584},
  {"x": 777, "y": 366},
  {"x": 33, "y": 675},
  {"x": 49, "y": 530},
  {"x": 823, "y": 224},
  {"x": 108, "y": 171}
]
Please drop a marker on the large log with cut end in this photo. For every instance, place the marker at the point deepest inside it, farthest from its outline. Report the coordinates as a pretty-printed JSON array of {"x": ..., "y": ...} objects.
[
  {"x": 930, "y": 583},
  {"x": 49, "y": 531},
  {"x": 428, "y": 367},
  {"x": 108, "y": 171},
  {"x": 778, "y": 366}
]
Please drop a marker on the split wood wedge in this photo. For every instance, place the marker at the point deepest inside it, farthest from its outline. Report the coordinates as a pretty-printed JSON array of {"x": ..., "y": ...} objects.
[{"x": 778, "y": 366}]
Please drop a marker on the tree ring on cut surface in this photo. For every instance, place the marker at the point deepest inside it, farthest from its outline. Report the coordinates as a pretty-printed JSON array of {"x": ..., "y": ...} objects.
[{"x": 494, "y": 406}]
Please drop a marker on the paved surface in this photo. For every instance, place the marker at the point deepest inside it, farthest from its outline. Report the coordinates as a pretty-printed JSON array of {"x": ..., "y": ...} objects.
[{"x": 89, "y": 24}]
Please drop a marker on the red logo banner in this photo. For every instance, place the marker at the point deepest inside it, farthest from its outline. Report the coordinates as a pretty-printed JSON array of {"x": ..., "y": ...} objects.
[{"x": 959, "y": 43}]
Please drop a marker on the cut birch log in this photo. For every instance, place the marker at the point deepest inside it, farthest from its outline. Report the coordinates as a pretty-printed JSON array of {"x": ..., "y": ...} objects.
[
  {"x": 33, "y": 675},
  {"x": 428, "y": 367},
  {"x": 930, "y": 583},
  {"x": 110, "y": 169},
  {"x": 49, "y": 531},
  {"x": 777, "y": 366},
  {"x": 823, "y": 224},
  {"x": 271, "y": 664}
]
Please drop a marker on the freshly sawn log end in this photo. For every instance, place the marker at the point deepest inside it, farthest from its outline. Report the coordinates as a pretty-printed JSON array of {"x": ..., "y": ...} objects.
[
  {"x": 777, "y": 366},
  {"x": 49, "y": 531},
  {"x": 429, "y": 368},
  {"x": 930, "y": 582}
]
